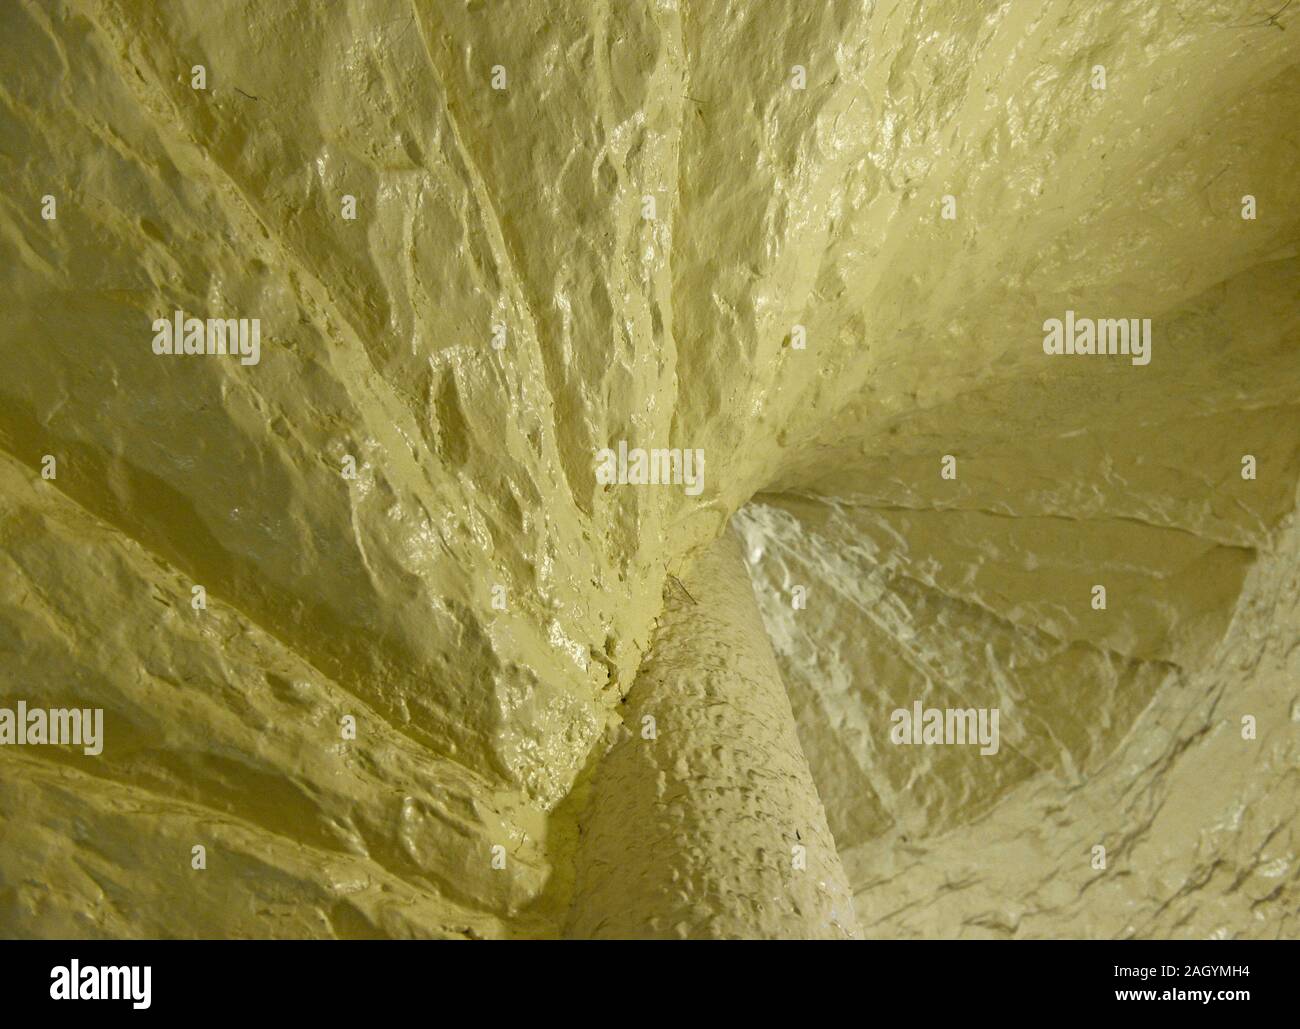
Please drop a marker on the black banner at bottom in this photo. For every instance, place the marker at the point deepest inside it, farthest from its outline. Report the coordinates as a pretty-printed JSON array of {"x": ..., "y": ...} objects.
[{"x": 147, "y": 979}]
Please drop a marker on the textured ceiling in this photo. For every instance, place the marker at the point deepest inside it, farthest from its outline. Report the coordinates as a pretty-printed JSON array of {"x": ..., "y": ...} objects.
[{"x": 525, "y": 207}]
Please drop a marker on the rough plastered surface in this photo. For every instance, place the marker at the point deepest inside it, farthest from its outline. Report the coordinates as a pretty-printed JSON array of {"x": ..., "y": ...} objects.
[
  {"x": 702, "y": 821},
  {"x": 1144, "y": 757},
  {"x": 481, "y": 729}
]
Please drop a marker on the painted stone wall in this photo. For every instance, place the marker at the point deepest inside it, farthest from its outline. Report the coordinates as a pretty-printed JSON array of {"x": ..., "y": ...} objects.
[{"x": 360, "y": 613}]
